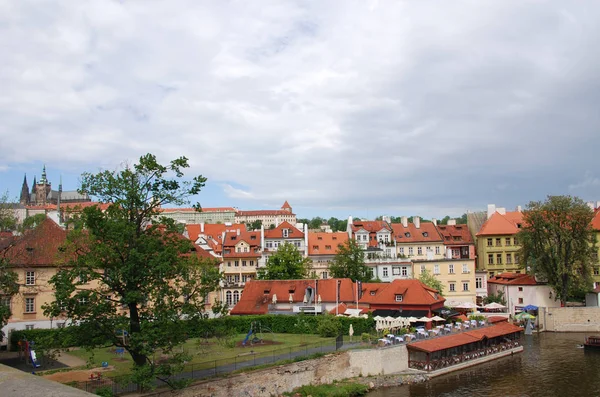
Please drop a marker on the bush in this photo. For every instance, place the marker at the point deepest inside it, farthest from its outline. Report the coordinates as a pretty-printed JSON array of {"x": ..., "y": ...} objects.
[
  {"x": 329, "y": 326},
  {"x": 365, "y": 337},
  {"x": 335, "y": 390}
]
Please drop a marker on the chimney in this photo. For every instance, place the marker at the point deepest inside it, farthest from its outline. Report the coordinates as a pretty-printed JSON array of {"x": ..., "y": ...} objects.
[
  {"x": 305, "y": 240},
  {"x": 262, "y": 236},
  {"x": 451, "y": 222},
  {"x": 201, "y": 227},
  {"x": 404, "y": 221},
  {"x": 591, "y": 205},
  {"x": 434, "y": 221},
  {"x": 519, "y": 209},
  {"x": 597, "y": 204},
  {"x": 350, "y": 220},
  {"x": 501, "y": 211},
  {"x": 417, "y": 221},
  {"x": 491, "y": 210}
]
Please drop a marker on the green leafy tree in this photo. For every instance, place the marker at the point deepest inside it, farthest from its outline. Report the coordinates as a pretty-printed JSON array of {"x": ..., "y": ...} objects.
[
  {"x": 558, "y": 243},
  {"x": 123, "y": 272},
  {"x": 32, "y": 221},
  {"x": 315, "y": 223},
  {"x": 431, "y": 281},
  {"x": 498, "y": 297},
  {"x": 8, "y": 221},
  {"x": 8, "y": 278},
  {"x": 349, "y": 262},
  {"x": 255, "y": 225},
  {"x": 285, "y": 264}
]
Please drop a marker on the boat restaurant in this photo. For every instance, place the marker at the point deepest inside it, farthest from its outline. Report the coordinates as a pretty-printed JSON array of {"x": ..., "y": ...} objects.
[{"x": 446, "y": 351}]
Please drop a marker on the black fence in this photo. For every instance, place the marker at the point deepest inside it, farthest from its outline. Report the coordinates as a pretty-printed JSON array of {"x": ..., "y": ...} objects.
[{"x": 208, "y": 369}]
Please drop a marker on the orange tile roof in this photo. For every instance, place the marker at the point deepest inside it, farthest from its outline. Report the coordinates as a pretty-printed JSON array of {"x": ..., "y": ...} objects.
[
  {"x": 286, "y": 205},
  {"x": 258, "y": 294},
  {"x": 596, "y": 220},
  {"x": 293, "y": 232},
  {"x": 455, "y": 234},
  {"x": 232, "y": 239},
  {"x": 370, "y": 226},
  {"x": 214, "y": 230},
  {"x": 38, "y": 246},
  {"x": 321, "y": 243},
  {"x": 204, "y": 209},
  {"x": 264, "y": 212},
  {"x": 513, "y": 279},
  {"x": 427, "y": 232},
  {"x": 499, "y": 224},
  {"x": 464, "y": 338},
  {"x": 497, "y": 319},
  {"x": 413, "y": 292}
]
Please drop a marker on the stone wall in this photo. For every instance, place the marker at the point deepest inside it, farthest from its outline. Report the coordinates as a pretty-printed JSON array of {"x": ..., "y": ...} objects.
[
  {"x": 16, "y": 383},
  {"x": 571, "y": 319},
  {"x": 285, "y": 378}
]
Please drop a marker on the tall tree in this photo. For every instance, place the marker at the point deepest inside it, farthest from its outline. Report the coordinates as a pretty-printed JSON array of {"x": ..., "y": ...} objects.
[
  {"x": 124, "y": 273},
  {"x": 349, "y": 262},
  {"x": 431, "y": 281},
  {"x": 254, "y": 225},
  {"x": 285, "y": 264},
  {"x": 8, "y": 220},
  {"x": 558, "y": 243},
  {"x": 8, "y": 278}
]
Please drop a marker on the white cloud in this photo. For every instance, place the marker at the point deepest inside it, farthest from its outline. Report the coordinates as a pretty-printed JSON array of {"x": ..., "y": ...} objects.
[{"x": 335, "y": 104}]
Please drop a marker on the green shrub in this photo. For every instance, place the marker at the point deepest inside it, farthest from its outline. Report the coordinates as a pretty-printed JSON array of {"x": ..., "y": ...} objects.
[
  {"x": 328, "y": 327},
  {"x": 333, "y": 390},
  {"x": 104, "y": 392},
  {"x": 365, "y": 337}
]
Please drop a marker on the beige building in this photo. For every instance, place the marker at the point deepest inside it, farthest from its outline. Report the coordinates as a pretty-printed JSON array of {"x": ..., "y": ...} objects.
[
  {"x": 207, "y": 215},
  {"x": 418, "y": 240},
  {"x": 268, "y": 217},
  {"x": 322, "y": 248},
  {"x": 456, "y": 275}
]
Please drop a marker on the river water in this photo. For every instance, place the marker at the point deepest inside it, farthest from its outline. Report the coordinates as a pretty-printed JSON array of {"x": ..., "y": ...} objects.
[{"x": 550, "y": 365}]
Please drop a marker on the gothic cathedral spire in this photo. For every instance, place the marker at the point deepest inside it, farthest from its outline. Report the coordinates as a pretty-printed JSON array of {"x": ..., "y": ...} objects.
[{"x": 24, "y": 199}]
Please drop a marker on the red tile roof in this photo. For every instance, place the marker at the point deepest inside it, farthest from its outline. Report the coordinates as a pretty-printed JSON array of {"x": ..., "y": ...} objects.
[
  {"x": 464, "y": 338},
  {"x": 38, "y": 246},
  {"x": 293, "y": 232},
  {"x": 204, "y": 209},
  {"x": 370, "y": 226},
  {"x": 427, "y": 232},
  {"x": 286, "y": 206},
  {"x": 455, "y": 234},
  {"x": 513, "y": 279},
  {"x": 413, "y": 292},
  {"x": 596, "y": 220},
  {"x": 232, "y": 239},
  {"x": 321, "y": 243},
  {"x": 258, "y": 294},
  {"x": 497, "y": 319},
  {"x": 499, "y": 224},
  {"x": 214, "y": 230},
  {"x": 264, "y": 212}
]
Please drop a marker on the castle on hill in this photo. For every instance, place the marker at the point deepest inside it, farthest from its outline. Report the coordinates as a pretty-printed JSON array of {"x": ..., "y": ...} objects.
[{"x": 42, "y": 194}]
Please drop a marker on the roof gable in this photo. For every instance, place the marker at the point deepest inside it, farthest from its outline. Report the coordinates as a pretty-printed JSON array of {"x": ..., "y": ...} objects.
[
  {"x": 321, "y": 243},
  {"x": 499, "y": 224},
  {"x": 413, "y": 293},
  {"x": 426, "y": 233},
  {"x": 293, "y": 232},
  {"x": 38, "y": 246}
]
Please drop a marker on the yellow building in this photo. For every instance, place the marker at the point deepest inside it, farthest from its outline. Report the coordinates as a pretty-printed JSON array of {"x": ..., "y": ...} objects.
[
  {"x": 497, "y": 244},
  {"x": 418, "y": 240},
  {"x": 456, "y": 275}
]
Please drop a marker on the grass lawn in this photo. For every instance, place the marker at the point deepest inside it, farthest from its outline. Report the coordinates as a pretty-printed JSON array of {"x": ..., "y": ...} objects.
[{"x": 208, "y": 350}]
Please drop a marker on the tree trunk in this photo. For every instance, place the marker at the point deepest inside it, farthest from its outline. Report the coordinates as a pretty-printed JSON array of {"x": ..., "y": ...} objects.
[{"x": 135, "y": 327}]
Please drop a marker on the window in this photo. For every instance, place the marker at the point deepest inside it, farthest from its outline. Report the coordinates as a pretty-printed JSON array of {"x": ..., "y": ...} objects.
[
  {"x": 236, "y": 297},
  {"x": 29, "y": 326},
  {"x": 478, "y": 282},
  {"x": 251, "y": 263},
  {"x": 60, "y": 325},
  {"x": 29, "y": 305},
  {"x": 244, "y": 278},
  {"x": 490, "y": 259},
  {"x": 520, "y": 289},
  {"x": 373, "y": 275},
  {"x": 269, "y": 244},
  {"x": 509, "y": 259},
  {"x": 437, "y": 250},
  {"x": 396, "y": 271},
  {"x": 499, "y": 259},
  {"x": 228, "y": 298},
  {"x": 398, "y": 297},
  {"x": 451, "y": 268},
  {"x": 507, "y": 241},
  {"x": 385, "y": 272},
  {"x": 401, "y": 250},
  {"x": 245, "y": 249},
  {"x": 419, "y": 250},
  {"x": 324, "y": 275},
  {"x": 285, "y": 233},
  {"x": 243, "y": 263},
  {"x": 516, "y": 241},
  {"x": 520, "y": 300},
  {"x": 236, "y": 278},
  {"x": 596, "y": 271},
  {"x": 452, "y": 288},
  {"x": 404, "y": 271},
  {"x": 428, "y": 250},
  {"x": 422, "y": 269},
  {"x": 328, "y": 247},
  {"x": 229, "y": 278},
  {"x": 29, "y": 278},
  {"x": 465, "y": 268},
  {"x": 436, "y": 269},
  {"x": 82, "y": 300},
  {"x": 229, "y": 263},
  {"x": 237, "y": 263},
  {"x": 489, "y": 242},
  {"x": 465, "y": 286},
  {"x": 410, "y": 250},
  {"x": 498, "y": 242}
]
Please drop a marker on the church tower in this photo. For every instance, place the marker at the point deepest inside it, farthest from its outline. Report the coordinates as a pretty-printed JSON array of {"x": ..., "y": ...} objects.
[
  {"x": 24, "y": 199},
  {"x": 42, "y": 189}
]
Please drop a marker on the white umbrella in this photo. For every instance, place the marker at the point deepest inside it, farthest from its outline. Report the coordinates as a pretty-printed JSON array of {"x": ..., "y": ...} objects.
[
  {"x": 467, "y": 305},
  {"x": 274, "y": 299},
  {"x": 319, "y": 299},
  {"x": 291, "y": 299},
  {"x": 305, "y": 300},
  {"x": 351, "y": 330},
  {"x": 424, "y": 319},
  {"x": 494, "y": 305},
  {"x": 412, "y": 319},
  {"x": 377, "y": 318},
  {"x": 437, "y": 318}
]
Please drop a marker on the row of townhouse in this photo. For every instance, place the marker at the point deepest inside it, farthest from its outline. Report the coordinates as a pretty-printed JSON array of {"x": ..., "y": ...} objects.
[{"x": 35, "y": 256}]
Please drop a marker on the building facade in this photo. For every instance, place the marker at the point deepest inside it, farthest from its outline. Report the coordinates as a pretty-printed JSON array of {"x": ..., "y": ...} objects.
[
  {"x": 207, "y": 215},
  {"x": 456, "y": 275},
  {"x": 269, "y": 218},
  {"x": 520, "y": 290},
  {"x": 322, "y": 249},
  {"x": 418, "y": 240}
]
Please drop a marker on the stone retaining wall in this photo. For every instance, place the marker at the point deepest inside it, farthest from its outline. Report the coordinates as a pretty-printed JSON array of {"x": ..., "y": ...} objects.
[
  {"x": 285, "y": 378},
  {"x": 571, "y": 319}
]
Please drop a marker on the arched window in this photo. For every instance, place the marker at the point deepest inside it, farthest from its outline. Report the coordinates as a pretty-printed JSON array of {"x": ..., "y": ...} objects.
[
  {"x": 236, "y": 297},
  {"x": 228, "y": 298}
]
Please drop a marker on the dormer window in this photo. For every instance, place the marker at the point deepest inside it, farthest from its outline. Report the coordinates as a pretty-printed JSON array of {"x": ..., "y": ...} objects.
[
  {"x": 321, "y": 238},
  {"x": 425, "y": 234},
  {"x": 372, "y": 293},
  {"x": 252, "y": 237},
  {"x": 266, "y": 292},
  {"x": 285, "y": 232},
  {"x": 333, "y": 238},
  {"x": 233, "y": 237},
  {"x": 398, "y": 297},
  {"x": 407, "y": 234}
]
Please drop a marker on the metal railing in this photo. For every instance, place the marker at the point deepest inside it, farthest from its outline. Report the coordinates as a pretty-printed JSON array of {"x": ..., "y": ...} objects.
[{"x": 208, "y": 369}]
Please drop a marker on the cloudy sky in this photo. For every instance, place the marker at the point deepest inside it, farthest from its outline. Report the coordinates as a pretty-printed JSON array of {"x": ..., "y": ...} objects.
[{"x": 340, "y": 107}]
